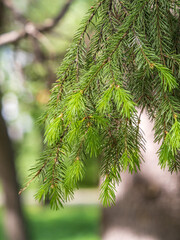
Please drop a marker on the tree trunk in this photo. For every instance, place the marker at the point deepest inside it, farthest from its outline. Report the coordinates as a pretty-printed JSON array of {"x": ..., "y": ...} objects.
[{"x": 14, "y": 221}]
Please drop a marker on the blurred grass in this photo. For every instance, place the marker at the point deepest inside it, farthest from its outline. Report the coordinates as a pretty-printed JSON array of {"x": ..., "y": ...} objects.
[
  {"x": 77, "y": 222},
  {"x": 1, "y": 225}
]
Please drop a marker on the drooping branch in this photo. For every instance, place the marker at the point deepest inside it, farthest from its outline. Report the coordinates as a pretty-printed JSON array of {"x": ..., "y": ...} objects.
[{"x": 31, "y": 28}]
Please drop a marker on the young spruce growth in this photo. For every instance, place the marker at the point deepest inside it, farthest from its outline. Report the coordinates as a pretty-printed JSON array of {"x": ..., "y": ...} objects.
[{"x": 124, "y": 56}]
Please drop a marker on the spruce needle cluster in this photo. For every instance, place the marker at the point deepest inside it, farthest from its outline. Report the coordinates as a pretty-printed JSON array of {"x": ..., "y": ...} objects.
[{"x": 124, "y": 57}]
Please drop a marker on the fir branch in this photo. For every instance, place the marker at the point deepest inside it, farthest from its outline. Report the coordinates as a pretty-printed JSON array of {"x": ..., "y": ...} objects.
[
  {"x": 94, "y": 11},
  {"x": 159, "y": 32},
  {"x": 101, "y": 66},
  {"x": 93, "y": 103},
  {"x": 32, "y": 179}
]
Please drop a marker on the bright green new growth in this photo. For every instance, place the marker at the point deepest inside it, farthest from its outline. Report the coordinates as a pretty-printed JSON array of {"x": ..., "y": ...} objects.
[{"x": 124, "y": 56}]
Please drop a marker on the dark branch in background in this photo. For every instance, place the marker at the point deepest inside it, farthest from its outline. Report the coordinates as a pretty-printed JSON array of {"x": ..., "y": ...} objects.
[
  {"x": 17, "y": 15},
  {"x": 2, "y": 17},
  {"x": 51, "y": 23},
  {"x": 30, "y": 28}
]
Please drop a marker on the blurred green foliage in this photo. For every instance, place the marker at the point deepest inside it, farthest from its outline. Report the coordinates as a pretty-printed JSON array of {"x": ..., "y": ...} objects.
[
  {"x": 70, "y": 223},
  {"x": 73, "y": 222}
]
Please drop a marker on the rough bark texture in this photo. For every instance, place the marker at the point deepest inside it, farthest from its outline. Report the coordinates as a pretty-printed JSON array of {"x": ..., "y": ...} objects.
[{"x": 148, "y": 203}]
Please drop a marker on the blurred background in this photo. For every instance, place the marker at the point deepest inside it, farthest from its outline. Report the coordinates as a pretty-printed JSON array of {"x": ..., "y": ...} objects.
[{"x": 34, "y": 37}]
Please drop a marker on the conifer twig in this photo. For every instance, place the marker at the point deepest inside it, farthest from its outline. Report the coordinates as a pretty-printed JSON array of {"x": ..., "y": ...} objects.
[{"x": 31, "y": 180}]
